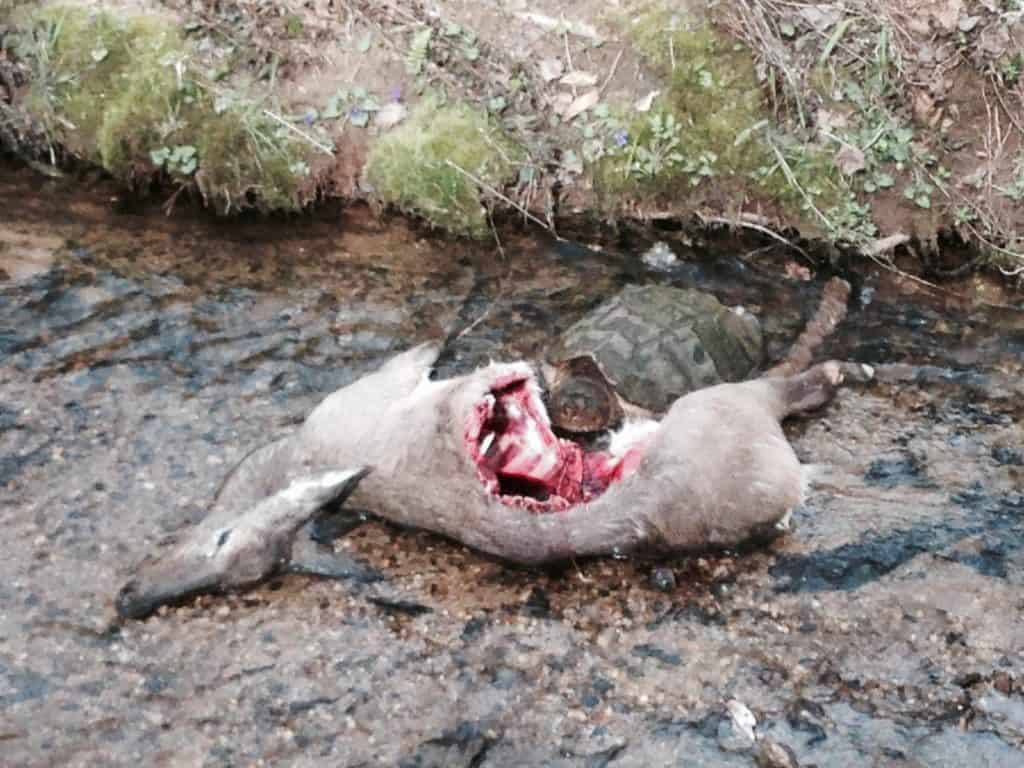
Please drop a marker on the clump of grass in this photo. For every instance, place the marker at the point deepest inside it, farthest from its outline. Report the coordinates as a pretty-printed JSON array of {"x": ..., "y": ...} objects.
[
  {"x": 122, "y": 92},
  {"x": 433, "y": 164},
  {"x": 718, "y": 127}
]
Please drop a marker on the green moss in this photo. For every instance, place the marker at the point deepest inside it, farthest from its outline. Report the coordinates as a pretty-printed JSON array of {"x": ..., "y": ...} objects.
[
  {"x": 293, "y": 26},
  {"x": 121, "y": 92},
  {"x": 244, "y": 153},
  {"x": 724, "y": 144},
  {"x": 424, "y": 166}
]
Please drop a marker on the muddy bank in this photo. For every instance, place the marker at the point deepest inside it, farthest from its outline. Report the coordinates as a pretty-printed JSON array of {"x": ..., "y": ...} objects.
[
  {"x": 879, "y": 128},
  {"x": 142, "y": 356}
]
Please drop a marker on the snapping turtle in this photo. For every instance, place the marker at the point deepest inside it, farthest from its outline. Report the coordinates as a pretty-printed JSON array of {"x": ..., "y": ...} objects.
[{"x": 647, "y": 346}]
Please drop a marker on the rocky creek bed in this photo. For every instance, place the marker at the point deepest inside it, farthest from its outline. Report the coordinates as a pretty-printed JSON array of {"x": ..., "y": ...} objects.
[{"x": 141, "y": 356}]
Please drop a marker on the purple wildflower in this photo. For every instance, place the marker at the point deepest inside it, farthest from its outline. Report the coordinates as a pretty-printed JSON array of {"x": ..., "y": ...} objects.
[
  {"x": 395, "y": 94},
  {"x": 356, "y": 113},
  {"x": 310, "y": 117},
  {"x": 621, "y": 138}
]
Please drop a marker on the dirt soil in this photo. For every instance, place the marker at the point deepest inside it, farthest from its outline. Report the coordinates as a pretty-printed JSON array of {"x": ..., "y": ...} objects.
[{"x": 919, "y": 105}]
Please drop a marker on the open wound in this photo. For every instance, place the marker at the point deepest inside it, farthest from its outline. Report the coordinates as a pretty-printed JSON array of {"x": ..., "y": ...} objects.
[{"x": 524, "y": 463}]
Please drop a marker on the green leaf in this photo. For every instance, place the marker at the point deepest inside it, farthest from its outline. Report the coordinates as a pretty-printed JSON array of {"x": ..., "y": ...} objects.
[
  {"x": 365, "y": 42},
  {"x": 99, "y": 54},
  {"x": 903, "y": 135},
  {"x": 884, "y": 180},
  {"x": 159, "y": 156},
  {"x": 335, "y": 107},
  {"x": 419, "y": 51}
]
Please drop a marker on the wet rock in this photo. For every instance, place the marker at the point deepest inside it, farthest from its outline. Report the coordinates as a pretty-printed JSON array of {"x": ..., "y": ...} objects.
[
  {"x": 473, "y": 629},
  {"x": 648, "y": 651},
  {"x": 874, "y": 555},
  {"x": 771, "y": 754},
  {"x": 141, "y": 391},
  {"x": 742, "y": 718},
  {"x": 1009, "y": 457},
  {"x": 853, "y": 565},
  {"x": 464, "y": 746},
  {"x": 400, "y": 607},
  {"x": 605, "y": 757},
  {"x": 506, "y": 678},
  {"x": 306, "y": 705},
  {"x": 1007, "y": 709},
  {"x": 731, "y": 738},
  {"x": 808, "y": 717},
  {"x": 663, "y": 579},
  {"x": 537, "y": 604},
  {"x": 954, "y": 749},
  {"x": 21, "y": 685},
  {"x": 156, "y": 683},
  {"x": 905, "y": 469},
  {"x": 1003, "y": 683},
  {"x": 8, "y": 418},
  {"x": 13, "y": 465}
]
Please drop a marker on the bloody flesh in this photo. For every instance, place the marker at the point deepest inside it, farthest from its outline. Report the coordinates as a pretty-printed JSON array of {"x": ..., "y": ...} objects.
[{"x": 522, "y": 462}]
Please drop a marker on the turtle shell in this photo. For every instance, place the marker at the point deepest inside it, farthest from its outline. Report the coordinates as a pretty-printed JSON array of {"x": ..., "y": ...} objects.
[{"x": 656, "y": 343}]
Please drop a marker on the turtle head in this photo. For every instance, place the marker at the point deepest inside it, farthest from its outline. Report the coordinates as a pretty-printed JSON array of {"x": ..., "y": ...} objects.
[{"x": 580, "y": 397}]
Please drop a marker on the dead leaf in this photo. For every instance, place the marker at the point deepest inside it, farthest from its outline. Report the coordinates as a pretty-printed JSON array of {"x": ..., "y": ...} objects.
[
  {"x": 562, "y": 102},
  {"x": 579, "y": 80},
  {"x": 967, "y": 23},
  {"x": 948, "y": 14},
  {"x": 924, "y": 107},
  {"x": 582, "y": 104},
  {"x": 644, "y": 104},
  {"x": 821, "y": 17},
  {"x": 831, "y": 121},
  {"x": 975, "y": 178},
  {"x": 390, "y": 115},
  {"x": 550, "y": 69},
  {"x": 850, "y": 160},
  {"x": 552, "y": 24},
  {"x": 943, "y": 15},
  {"x": 994, "y": 40}
]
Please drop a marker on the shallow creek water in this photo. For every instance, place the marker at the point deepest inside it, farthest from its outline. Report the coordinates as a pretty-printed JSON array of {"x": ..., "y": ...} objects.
[{"x": 141, "y": 356}]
